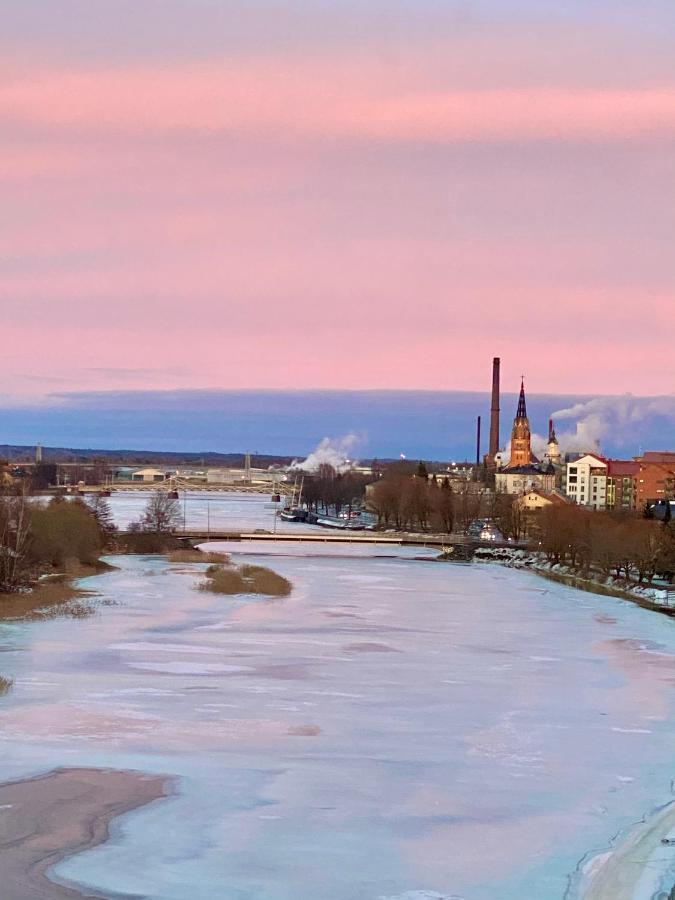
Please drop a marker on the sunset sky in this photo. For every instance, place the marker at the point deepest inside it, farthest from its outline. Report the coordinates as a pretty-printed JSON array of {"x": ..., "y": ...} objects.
[{"x": 217, "y": 195}]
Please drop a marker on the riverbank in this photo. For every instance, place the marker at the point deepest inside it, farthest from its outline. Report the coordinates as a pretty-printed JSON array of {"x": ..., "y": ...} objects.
[
  {"x": 53, "y": 595},
  {"x": 637, "y": 868},
  {"x": 46, "y": 819},
  {"x": 648, "y": 596}
]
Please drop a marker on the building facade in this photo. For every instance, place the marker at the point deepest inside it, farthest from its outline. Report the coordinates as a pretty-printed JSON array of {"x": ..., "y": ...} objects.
[
  {"x": 586, "y": 481},
  {"x": 622, "y": 484},
  {"x": 655, "y": 478}
]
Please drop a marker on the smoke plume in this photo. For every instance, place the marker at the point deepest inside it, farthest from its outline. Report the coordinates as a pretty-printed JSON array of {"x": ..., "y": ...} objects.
[
  {"x": 620, "y": 418},
  {"x": 332, "y": 452}
]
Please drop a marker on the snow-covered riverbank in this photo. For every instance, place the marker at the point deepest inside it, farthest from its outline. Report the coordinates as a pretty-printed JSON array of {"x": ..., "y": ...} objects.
[{"x": 654, "y": 595}]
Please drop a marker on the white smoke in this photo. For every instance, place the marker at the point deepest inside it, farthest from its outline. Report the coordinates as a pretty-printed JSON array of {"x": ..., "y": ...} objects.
[
  {"x": 601, "y": 420},
  {"x": 331, "y": 452},
  {"x": 602, "y": 417}
]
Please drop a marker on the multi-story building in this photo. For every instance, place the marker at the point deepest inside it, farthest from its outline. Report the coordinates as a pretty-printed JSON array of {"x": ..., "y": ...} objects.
[
  {"x": 586, "y": 481},
  {"x": 655, "y": 477},
  {"x": 621, "y": 484}
]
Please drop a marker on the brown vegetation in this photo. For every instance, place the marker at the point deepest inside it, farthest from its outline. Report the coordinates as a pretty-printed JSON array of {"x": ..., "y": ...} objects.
[
  {"x": 198, "y": 556},
  {"x": 145, "y": 543},
  {"x": 331, "y": 490},
  {"x": 49, "y": 600},
  {"x": 624, "y": 545},
  {"x": 162, "y": 514},
  {"x": 245, "y": 580},
  {"x": 405, "y": 499},
  {"x": 6, "y": 685},
  {"x": 62, "y": 536}
]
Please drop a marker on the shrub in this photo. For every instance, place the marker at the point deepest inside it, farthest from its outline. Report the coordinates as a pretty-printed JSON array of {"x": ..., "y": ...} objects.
[
  {"x": 197, "y": 556},
  {"x": 146, "y": 542},
  {"x": 245, "y": 580},
  {"x": 223, "y": 581},
  {"x": 63, "y": 534},
  {"x": 265, "y": 581}
]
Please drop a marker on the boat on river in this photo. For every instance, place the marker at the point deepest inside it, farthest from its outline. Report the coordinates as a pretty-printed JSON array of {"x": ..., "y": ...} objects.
[{"x": 293, "y": 514}]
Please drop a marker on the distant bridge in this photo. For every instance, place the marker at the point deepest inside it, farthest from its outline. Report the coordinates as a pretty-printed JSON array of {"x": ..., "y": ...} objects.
[
  {"x": 442, "y": 542},
  {"x": 192, "y": 487}
]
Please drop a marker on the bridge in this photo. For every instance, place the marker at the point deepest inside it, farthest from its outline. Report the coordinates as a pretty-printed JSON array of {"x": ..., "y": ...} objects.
[
  {"x": 460, "y": 542},
  {"x": 179, "y": 484}
]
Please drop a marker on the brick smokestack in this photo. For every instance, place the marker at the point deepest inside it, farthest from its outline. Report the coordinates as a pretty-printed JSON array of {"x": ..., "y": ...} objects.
[
  {"x": 494, "y": 411},
  {"x": 478, "y": 442}
]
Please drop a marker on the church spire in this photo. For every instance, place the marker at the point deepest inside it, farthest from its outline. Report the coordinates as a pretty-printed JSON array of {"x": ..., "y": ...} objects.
[
  {"x": 522, "y": 409},
  {"x": 521, "y": 452}
]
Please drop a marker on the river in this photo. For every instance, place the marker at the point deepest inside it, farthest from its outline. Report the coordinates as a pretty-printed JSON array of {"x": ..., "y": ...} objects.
[{"x": 396, "y": 728}]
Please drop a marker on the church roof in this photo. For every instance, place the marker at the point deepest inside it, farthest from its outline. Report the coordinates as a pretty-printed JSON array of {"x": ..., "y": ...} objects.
[{"x": 522, "y": 470}]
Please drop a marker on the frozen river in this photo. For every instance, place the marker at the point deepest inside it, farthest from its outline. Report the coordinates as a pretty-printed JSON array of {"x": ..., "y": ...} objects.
[
  {"x": 222, "y": 511},
  {"x": 393, "y": 729}
]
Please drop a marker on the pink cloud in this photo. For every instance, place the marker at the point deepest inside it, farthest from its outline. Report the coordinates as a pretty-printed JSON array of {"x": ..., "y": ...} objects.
[
  {"x": 336, "y": 99},
  {"x": 398, "y": 213}
]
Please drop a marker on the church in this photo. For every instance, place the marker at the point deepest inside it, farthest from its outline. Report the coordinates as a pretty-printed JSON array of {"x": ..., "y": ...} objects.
[{"x": 524, "y": 471}]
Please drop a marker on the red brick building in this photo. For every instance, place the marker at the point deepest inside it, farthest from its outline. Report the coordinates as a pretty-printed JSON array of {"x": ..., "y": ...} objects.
[
  {"x": 622, "y": 476},
  {"x": 655, "y": 479}
]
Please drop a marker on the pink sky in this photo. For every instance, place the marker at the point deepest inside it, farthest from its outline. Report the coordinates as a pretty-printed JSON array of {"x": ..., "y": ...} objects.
[{"x": 325, "y": 200}]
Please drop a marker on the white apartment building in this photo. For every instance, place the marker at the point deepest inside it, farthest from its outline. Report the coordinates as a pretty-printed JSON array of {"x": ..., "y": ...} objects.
[{"x": 586, "y": 482}]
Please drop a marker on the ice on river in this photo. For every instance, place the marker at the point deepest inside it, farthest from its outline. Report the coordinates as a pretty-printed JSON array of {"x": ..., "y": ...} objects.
[
  {"x": 393, "y": 729},
  {"x": 218, "y": 510}
]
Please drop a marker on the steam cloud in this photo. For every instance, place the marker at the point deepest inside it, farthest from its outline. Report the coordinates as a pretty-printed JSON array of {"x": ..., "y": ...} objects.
[
  {"x": 332, "y": 452},
  {"x": 619, "y": 417},
  {"x": 600, "y": 419}
]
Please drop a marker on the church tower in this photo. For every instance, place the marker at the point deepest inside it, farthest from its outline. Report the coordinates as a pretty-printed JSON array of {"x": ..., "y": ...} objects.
[
  {"x": 553, "y": 449},
  {"x": 521, "y": 451}
]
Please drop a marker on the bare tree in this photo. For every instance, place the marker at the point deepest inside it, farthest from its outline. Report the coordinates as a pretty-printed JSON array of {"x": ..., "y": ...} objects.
[
  {"x": 468, "y": 504},
  {"x": 100, "y": 509},
  {"x": 444, "y": 507},
  {"x": 161, "y": 515},
  {"x": 14, "y": 537}
]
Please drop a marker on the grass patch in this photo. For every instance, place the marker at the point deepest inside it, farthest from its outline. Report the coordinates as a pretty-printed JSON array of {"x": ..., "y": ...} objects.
[
  {"x": 6, "y": 685},
  {"x": 197, "y": 556},
  {"x": 50, "y": 599},
  {"x": 245, "y": 580},
  {"x": 146, "y": 543},
  {"x": 265, "y": 581},
  {"x": 223, "y": 581}
]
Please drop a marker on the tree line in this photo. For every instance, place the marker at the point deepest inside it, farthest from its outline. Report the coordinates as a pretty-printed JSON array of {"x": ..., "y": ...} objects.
[
  {"x": 406, "y": 499},
  {"x": 627, "y": 545},
  {"x": 37, "y": 538},
  {"x": 328, "y": 490}
]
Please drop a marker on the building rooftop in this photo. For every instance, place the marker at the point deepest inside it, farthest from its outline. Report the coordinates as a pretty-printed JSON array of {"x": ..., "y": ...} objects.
[
  {"x": 524, "y": 470},
  {"x": 657, "y": 456},
  {"x": 622, "y": 467}
]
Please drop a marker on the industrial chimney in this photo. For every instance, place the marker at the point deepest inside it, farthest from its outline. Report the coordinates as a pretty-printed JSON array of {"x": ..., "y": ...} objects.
[{"x": 494, "y": 412}]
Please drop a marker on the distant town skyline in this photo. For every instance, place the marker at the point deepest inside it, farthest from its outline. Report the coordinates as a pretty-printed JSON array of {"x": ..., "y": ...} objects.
[
  {"x": 421, "y": 424},
  {"x": 217, "y": 195}
]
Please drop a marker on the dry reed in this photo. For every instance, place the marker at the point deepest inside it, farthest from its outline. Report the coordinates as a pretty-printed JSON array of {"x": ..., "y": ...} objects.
[
  {"x": 198, "y": 556},
  {"x": 245, "y": 580}
]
